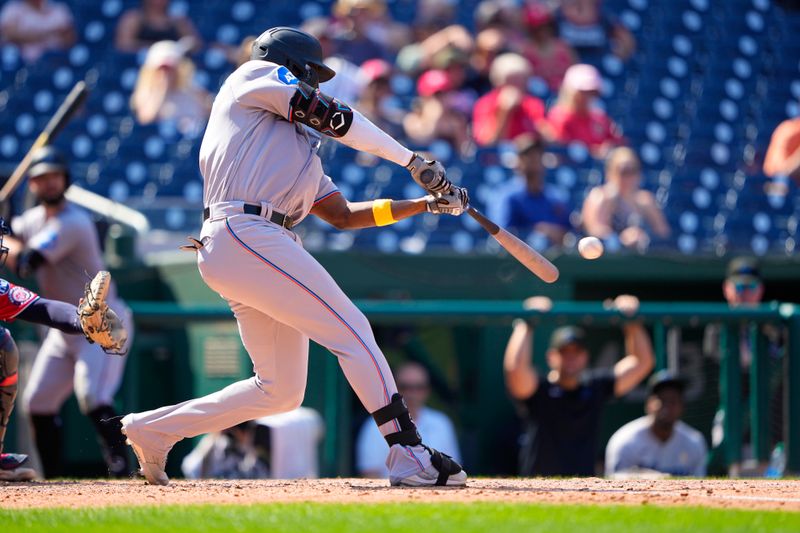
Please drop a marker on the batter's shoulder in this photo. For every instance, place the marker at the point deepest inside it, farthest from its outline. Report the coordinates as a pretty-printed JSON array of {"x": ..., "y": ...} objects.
[{"x": 255, "y": 68}]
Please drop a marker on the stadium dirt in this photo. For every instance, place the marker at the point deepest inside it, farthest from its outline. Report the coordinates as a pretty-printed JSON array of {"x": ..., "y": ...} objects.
[{"x": 743, "y": 494}]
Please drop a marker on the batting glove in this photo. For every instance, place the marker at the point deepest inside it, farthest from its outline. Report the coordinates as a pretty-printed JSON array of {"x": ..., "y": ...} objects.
[
  {"x": 430, "y": 175},
  {"x": 453, "y": 202}
]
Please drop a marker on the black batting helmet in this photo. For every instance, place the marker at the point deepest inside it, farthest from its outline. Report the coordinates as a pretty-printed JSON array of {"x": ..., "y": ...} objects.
[
  {"x": 298, "y": 51},
  {"x": 48, "y": 159}
]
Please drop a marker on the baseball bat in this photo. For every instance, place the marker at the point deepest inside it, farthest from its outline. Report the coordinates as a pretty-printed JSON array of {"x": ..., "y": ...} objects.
[
  {"x": 530, "y": 258},
  {"x": 60, "y": 119}
]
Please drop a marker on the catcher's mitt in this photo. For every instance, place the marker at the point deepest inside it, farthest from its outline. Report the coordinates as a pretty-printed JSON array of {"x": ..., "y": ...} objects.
[{"x": 99, "y": 322}]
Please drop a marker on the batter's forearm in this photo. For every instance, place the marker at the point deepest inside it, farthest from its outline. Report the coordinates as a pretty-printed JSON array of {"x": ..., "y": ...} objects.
[{"x": 362, "y": 214}]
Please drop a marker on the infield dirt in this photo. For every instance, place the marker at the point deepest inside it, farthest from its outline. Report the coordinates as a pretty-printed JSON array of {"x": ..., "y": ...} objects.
[{"x": 742, "y": 493}]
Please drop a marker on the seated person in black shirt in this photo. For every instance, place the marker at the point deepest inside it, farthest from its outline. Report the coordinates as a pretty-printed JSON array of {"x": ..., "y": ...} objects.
[{"x": 562, "y": 410}]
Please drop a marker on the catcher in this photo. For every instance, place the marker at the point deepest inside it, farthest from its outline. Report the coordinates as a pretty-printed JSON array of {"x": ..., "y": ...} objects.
[
  {"x": 92, "y": 318},
  {"x": 57, "y": 243}
]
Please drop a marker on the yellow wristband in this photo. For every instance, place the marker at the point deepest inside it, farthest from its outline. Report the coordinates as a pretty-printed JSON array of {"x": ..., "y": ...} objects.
[{"x": 382, "y": 211}]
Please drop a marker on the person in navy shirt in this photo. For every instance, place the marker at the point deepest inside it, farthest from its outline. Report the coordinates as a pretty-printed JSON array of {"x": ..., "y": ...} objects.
[
  {"x": 535, "y": 207},
  {"x": 561, "y": 408}
]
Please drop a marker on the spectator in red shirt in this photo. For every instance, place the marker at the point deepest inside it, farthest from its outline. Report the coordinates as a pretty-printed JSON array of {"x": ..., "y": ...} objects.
[
  {"x": 549, "y": 55},
  {"x": 507, "y": 111},
  {"x": 573, "y": 118}
]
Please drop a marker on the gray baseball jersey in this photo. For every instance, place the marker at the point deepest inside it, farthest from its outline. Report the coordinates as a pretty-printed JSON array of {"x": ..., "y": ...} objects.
[
  {"x": 634, "y": 446},
  {"x": 251, "y": 155},
  {"x": 70, "y": 245}
]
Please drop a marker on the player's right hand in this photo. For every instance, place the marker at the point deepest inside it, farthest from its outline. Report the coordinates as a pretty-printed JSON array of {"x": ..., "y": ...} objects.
[
  {"x": 453, "y": 202},
  {"x": 430, "y": 175}
]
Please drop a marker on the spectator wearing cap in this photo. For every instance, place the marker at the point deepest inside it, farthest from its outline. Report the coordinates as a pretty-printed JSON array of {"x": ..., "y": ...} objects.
[
  {"x": 659, "y": 442},
  {"x": 435, "y": 114},
  {"x": 561, "y": 409},
  {"x": 620, "y": 208},
  {"x": 574, "y": 118},
  {"x": 591, "y": 32},
  {"x": 141, "y": 27},
  {"x": 743, "y": 287},
  {"x": 549, "y": 55},
  {"x": 413, "y": 382},
  {"x": 165, "y": 90},
  {"x": 37, "y": 26},
  {"x": 535, "y": 207},
  {"x": 507, "y": 111},
  {"x": 377, "y": 101}
]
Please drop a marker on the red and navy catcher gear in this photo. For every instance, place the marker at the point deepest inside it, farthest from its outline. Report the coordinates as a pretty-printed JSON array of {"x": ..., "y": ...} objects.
[
  {"x": 324, "y": 113},
  {"x": 298, "y": 51},
  {"x": 4, "y": 230}
]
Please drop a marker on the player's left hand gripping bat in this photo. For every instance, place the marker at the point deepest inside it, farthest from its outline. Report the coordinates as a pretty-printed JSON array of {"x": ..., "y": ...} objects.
[{"x": 60, "y": 119}]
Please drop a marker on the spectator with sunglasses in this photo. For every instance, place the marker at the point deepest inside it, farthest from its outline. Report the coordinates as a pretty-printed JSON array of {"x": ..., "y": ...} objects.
[
  {"x": 413, "y": 382},
  {"x": 743, "y": 287}
]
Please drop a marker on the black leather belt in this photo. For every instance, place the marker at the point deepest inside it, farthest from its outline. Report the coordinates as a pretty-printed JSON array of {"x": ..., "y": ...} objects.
[{"x": 280, "y": 219}]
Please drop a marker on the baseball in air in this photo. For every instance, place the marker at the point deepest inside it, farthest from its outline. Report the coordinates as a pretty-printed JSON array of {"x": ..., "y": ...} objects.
[{"x": 590, "y": 247}]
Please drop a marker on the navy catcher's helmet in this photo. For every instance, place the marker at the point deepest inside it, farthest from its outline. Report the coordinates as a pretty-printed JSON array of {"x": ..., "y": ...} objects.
[{"x": 298, "y": 51}]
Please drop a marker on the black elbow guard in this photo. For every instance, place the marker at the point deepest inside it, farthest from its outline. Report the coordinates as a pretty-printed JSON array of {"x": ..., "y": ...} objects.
[{"x": 319, "y": 111}]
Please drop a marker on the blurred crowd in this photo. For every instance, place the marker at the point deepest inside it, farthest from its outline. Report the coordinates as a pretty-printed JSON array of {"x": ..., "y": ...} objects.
[
  {"x": 521, "y": 74},
  {"x": 473, "y": 87}
]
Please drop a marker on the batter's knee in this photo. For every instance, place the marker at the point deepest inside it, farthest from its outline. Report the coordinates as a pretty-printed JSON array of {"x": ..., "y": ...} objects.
[
  {"x": 294, "y": 400},
  {"x": 281, "y": 399}
]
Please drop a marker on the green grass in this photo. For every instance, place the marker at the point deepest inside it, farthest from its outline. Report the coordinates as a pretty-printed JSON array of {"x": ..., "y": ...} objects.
[{"x": 405, "y": 518}]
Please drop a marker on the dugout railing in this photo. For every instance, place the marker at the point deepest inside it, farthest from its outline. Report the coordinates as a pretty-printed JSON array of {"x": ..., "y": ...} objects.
[{"x": 659, "y": 317}]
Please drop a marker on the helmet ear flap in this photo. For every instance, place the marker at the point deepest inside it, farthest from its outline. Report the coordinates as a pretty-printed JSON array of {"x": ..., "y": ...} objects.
[{"x": 311, "y": 76}]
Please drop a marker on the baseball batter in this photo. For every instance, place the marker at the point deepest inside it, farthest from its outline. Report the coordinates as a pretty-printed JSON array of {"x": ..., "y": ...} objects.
[
  {"x": 58, "y": 242},
  {"x": 263, "y": 176}
]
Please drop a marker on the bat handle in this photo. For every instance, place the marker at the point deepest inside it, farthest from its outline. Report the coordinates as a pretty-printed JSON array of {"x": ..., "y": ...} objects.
[{"x": 487, "y": 224}]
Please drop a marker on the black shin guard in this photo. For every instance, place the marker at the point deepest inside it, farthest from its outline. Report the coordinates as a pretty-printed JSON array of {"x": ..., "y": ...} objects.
[
  {"x": 112, "y": 441},
  {"x": 49, "y": 435},
  {"x": 397, "y": 410},
  {"x": 409, "y": 436},
  {"x": 9, "y": 360}
]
